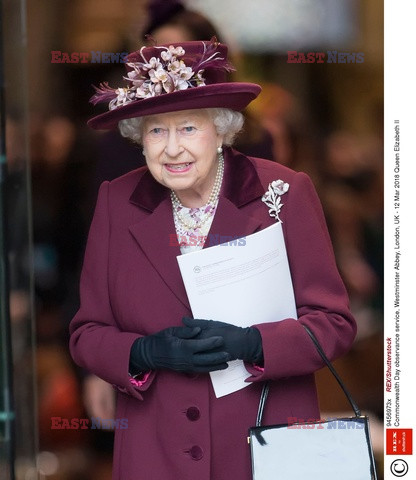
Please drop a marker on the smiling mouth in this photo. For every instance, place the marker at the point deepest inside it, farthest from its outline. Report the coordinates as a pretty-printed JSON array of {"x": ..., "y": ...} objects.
[{"x": 178, "y": 167}]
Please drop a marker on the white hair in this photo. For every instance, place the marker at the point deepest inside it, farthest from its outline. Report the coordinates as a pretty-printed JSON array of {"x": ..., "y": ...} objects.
[{"x": 227, "y": 123}]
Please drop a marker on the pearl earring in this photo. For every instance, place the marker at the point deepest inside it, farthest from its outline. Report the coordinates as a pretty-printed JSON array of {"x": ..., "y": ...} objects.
[{"x": 219, "y": 149}]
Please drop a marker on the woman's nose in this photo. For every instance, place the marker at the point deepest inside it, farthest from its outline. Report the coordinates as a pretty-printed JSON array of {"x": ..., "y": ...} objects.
[{"x": 173, "y": 145}]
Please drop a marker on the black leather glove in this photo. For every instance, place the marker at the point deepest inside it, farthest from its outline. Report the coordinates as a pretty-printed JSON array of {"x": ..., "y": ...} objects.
[
  {"x": 176, "y": 348},
  {"x": 241, "y": 343}
]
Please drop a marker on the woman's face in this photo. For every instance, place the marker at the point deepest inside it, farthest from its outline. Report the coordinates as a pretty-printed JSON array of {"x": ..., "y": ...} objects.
[{"x": 181, "y": 153}]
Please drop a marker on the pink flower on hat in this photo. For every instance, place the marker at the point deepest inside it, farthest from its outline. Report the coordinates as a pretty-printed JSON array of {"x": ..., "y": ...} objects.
[{"x": 156, "y": 76}]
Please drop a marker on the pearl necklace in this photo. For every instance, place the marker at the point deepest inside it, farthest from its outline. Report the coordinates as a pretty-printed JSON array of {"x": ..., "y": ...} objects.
[{"x": 209, "y": 207}]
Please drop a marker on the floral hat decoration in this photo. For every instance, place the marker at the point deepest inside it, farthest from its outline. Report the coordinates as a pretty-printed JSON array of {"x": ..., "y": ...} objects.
[{"x": 168, "y": 78}]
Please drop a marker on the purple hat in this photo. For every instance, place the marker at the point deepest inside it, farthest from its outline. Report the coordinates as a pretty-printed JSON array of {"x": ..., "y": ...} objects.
[{"x": 169, "y": 78}]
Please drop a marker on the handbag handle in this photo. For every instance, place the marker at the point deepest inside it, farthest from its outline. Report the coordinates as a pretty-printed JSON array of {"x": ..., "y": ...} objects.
[{"x": 266, "y": 386}]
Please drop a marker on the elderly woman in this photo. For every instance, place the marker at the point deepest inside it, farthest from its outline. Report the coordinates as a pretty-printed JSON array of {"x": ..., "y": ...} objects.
[{"x": 134, "y": 327}]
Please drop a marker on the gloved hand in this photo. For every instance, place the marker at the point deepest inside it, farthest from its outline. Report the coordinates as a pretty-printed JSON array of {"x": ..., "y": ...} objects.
[
  {"x": 176, "y": 348},
  {"x": 241, "y": 343}
]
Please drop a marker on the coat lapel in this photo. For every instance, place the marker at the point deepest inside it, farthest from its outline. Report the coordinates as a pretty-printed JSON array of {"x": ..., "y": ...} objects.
[
  {"x": 241, "y": 186},
  {"x": 154, "y": 232}
]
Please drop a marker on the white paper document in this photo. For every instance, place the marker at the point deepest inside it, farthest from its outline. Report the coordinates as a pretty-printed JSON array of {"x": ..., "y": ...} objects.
[{"x": 242, "y": 282}]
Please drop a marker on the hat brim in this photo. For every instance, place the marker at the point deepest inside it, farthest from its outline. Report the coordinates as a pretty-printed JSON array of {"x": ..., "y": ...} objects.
[{"x": 233, "y": 95}]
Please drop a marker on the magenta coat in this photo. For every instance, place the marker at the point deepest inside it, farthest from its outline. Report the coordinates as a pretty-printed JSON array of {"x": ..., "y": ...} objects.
[{"x": 173, "y": 427}]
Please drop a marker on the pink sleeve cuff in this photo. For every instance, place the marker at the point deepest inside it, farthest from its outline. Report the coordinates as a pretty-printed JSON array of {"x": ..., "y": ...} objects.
[{"x": 139, "y": 382}]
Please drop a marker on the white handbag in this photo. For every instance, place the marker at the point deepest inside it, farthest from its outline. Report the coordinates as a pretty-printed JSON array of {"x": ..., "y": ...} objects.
[{"x": 333, "y": 449}]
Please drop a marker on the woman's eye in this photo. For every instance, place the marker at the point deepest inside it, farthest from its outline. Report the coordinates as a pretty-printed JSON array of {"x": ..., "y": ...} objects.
[
  {"x": 156, "y": 130},
  {"x": 188, "y": 129}
]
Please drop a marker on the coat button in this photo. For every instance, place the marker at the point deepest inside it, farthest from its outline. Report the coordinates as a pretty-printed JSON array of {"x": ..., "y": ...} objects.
[
  {"x": 193, "y": 414},
  {"x": 196, "y": 452}
]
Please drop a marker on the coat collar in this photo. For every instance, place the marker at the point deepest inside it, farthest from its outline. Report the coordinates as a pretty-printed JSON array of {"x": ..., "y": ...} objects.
[{"x": 154, "y": 232}]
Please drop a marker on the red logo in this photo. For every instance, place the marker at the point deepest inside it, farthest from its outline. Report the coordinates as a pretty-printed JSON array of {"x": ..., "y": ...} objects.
[{"x": 399, "y": 441}]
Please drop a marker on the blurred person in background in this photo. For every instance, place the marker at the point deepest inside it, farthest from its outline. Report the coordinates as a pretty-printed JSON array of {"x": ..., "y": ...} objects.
[
  {"x": 61, "y": 171},
  {"x": 172, "y": 22},
  {"x": 133, "y": 328},
  {"x": 352, "y": 192}
]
